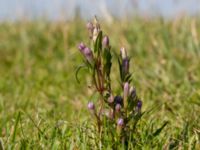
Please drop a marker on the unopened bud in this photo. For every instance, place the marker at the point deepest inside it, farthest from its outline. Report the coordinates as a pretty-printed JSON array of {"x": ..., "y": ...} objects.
[
  {"x": 81, "y": 47},
  {"x": 105, "y": 42},
  {"x": 126, "y": 89},
  {"x": 88, "y": 54},
  {"x": 91, "y": 106},
  {"x": 95, "y": 34},
  {"x": 125, "y": 66},
  {"x": 120, "y": 125},
  {"x": 126, "y": 93},
  {"x": 123, "y": 53}
]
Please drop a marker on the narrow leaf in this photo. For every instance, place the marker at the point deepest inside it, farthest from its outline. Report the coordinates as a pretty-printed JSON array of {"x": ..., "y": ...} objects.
[
  {"x": 77, "y": 71},
  {"x": 157, "y": 132},
  {"x": 98, "y": 44}
]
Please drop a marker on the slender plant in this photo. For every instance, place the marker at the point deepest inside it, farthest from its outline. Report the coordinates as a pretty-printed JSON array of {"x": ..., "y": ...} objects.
[{"x": 115, "y": 114}]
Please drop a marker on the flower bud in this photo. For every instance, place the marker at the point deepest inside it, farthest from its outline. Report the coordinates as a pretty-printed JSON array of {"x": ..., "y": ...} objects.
[
  {"x": 118, "y": 108},
  {"x": 120, "y": 122},
  {"x": 120, "y": 125},
  {"x": 95, "y": 34},
  {"x": 126, "y": 89},
  {"x": 91, "y": 106},
  {"x": 105, "y": 42},
  {"x": 126, "y": 93},
  {"x": 81, "y": 47},
  {"x": 123, "y": 53},
  {"x": 125, "y": 66},
  {"x": 88, "y": 54}
]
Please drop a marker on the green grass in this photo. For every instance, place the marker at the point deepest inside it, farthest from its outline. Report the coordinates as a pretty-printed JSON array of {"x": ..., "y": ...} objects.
[{"x": 43, "y": 107}]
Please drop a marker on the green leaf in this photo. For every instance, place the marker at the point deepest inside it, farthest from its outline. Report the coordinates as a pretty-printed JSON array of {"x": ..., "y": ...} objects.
[
  {"x": 98, "y": 43},
  {"x": 15, "y": 128},
  {"x": 128, "y": 78},
  {"x": 1, "y": 144},
  {"x": 157, "y": 132},
  {"x": 107, "y": 61}
]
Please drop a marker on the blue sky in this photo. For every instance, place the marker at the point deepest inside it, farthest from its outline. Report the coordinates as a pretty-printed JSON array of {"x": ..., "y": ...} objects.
[{"x": 55, "y": 9}]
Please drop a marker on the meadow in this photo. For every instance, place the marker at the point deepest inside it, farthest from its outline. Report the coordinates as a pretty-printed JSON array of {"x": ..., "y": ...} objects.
[{"x": 42, "y": 106}]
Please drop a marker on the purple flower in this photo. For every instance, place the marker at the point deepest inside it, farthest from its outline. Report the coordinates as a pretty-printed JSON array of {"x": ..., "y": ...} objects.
[
  {"x": 88, "y": 54},
  {"x": 120, "y": 122},
  {"x": 125, "y": 66},
  {"x": 81, "y": 47},
  {"x": 126, "y": 89},
  {"x": 91, "y": 106},
  {"x": 105, "y": 42}
]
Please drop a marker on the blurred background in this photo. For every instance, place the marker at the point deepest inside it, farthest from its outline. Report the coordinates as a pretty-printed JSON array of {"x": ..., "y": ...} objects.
[
  {"x": 39, "y": 58},
  {"x": 68, "y": 9}
]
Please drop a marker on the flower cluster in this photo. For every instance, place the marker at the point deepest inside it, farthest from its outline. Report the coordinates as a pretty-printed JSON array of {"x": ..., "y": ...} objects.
[{"x": 121, "y": 110}]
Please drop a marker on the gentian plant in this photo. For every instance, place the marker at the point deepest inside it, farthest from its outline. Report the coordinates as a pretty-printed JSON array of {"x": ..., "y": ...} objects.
[{"x": 116, "y": 114}]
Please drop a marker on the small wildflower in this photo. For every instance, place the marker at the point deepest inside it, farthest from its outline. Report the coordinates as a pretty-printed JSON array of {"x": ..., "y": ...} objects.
[{"x": 116, "y": 111}]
